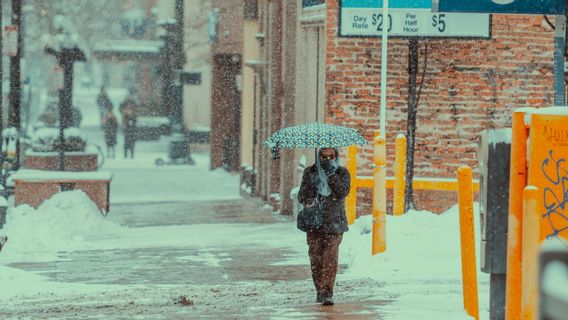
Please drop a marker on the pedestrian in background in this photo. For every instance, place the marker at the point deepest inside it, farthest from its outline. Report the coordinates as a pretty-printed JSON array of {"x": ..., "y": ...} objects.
[
  {"x": 128, "y": 112},
  {"x": 104, "y": 102},
  {"x": 329, "y": 183},
  {"x": 110, "y": 128}
]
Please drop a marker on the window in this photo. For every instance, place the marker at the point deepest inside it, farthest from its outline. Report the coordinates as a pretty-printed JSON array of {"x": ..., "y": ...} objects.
[{"x": 311, "y": 3}]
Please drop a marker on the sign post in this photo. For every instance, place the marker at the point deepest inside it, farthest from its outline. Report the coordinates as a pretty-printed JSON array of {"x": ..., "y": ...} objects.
[
  {"x": 559, "y": 48},
  {"x": 384, "y": 67}
]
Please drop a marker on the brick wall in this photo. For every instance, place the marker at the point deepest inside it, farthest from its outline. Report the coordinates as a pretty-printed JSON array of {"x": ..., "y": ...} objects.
[{"x": 470, "y": 85}]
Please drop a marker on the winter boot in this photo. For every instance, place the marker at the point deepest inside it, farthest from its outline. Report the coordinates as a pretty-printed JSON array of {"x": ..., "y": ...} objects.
[
  {"x": 327, "y": 300},
  {"x": 319, "y": 298}
]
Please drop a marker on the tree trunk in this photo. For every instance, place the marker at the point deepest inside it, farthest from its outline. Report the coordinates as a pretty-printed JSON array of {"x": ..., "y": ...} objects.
[{"x": 413, "y": 97}]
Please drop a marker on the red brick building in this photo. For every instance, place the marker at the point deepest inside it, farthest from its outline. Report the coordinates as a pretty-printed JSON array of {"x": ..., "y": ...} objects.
[{"x": 470, "y": 85}]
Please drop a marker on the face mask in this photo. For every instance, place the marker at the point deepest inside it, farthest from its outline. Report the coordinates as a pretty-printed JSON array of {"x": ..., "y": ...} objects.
[{"x": 329, "y": 165}]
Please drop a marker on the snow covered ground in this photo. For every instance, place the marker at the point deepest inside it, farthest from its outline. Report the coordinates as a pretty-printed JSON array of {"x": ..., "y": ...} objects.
[{"x": 417, "y": 278}]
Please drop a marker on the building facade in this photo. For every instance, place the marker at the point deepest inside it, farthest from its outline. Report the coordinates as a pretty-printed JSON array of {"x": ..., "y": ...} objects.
[
  {"x": 298, "y": 69},
  {"x": 226, "y": 53}
]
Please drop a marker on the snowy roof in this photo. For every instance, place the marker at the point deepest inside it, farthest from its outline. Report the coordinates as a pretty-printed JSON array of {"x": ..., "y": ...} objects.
[
  {"x": 30, "y": 152},
  {"x": 528, "y": 111},
  {"x": 152, "y": 121},
  {"x": 499, "y": 135},
  {"x": 167, "y": 21},
  {"x": 127, "y": 49},
  {"x": 41, "y": 175},
  {"x": 558, "y": 110}
]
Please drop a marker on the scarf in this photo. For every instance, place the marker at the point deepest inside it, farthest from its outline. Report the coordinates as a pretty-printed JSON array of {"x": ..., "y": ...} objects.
[{"x": 322, "y": 185}]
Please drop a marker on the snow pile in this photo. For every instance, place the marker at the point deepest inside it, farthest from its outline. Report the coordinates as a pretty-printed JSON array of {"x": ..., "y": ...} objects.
[
  {"x": 555, "y": 280},
  {"x": 421, "y": 266},
  {"x": 18, "y": 282},
  {"x": 45, "y": 138},
  {"x": 419, "y": 244},
  {"x": 60, "y": 223}
]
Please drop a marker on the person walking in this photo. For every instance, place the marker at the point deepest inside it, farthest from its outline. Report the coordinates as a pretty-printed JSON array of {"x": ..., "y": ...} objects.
[
  {"x": 329, "y": 183},
  {"x": 110, "y": 128},
  {"x": 104, "y": 102},
  {"x": 128, "y": 111}
]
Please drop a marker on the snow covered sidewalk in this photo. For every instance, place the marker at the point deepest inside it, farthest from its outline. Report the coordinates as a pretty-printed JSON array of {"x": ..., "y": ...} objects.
[
  {"x": 254, "y": 270},
  {"x": 102, "y": 269},
  {"x": 181, "y": 243}
]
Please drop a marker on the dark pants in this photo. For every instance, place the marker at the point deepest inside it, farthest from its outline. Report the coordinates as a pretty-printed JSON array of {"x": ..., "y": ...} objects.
[
  {"x": 129, "y": 141},
  {"x": 323, "y": 249}
]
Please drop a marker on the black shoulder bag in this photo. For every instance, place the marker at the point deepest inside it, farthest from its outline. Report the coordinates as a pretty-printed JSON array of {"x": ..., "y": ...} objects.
[{"x": 311, "y": 217}]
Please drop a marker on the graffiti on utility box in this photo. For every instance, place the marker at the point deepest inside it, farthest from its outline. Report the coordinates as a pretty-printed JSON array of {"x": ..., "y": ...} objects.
[{"x": 548, "y": 170}]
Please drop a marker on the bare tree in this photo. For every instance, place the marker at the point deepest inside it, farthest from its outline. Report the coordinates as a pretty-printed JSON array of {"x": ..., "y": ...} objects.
[{"x": 414, "y": 92}]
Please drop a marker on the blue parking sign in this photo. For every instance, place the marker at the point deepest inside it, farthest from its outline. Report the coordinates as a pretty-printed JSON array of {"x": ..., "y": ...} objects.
[{"x": 556, "y": 7}]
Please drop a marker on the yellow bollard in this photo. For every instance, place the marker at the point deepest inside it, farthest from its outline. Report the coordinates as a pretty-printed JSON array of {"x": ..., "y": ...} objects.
[
  {"x": 531, "y": 242},
  {"x": 351, "y": 199},
  {"x": 379, "y": 195},
  {"x": 517, "y": 182},
  {"x": 399, "y": 175},
  {"x": 467, "y": 237}
]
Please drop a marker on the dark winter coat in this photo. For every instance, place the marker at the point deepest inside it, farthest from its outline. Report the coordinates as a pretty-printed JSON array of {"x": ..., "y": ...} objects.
[
  {"x": 128, "y": 110},
  {"x": 334, "y": 217},
  {"x": 110, "y": 127},
  {"x": 104, "y": 102}
]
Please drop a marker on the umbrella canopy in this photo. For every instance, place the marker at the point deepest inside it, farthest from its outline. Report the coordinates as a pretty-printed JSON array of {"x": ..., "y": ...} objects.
[{"x": 315, "y": 135}]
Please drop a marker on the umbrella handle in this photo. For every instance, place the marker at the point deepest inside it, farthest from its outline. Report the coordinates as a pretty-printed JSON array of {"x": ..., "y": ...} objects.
[{"x": 275, "y": 151}]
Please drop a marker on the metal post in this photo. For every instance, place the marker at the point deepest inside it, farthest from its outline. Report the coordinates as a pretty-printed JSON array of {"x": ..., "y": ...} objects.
[
  {"x": 63, "y": 109},
  {"x": 517, "y": 183},
  {"x": 177, "y": 65},
  {"x": 384, "y": 67},
  {"x": 531, "y": 243},
  {"x": 379, "y": 229},
  {"x": 15, "y": 86},
  {"x": 175, "y": 55},
  {"x": 61, "y": 131},
  {"x": 399, "y": 175},
  {"x": 2, "y": 177},
  {"x": 467, "y": 240},
  {"x": 67, "y": 64},
  {"x": 65, "y": 96},
  {"x": 559, "y": 48}
]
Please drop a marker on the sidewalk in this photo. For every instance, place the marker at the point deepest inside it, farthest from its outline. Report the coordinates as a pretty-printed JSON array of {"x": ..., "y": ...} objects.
[
  {"x": 224, "y": 280},
  {"x": 184, "y": 234},
  {"x": 173, "y": 231}
]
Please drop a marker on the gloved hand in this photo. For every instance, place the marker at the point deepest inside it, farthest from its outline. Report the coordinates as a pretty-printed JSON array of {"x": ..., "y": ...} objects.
[{"x": 329, "y": 166}]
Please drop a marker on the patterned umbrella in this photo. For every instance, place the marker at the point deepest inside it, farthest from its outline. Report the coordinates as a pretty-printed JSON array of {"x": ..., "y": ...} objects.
[{"x": 315, "y": 135}]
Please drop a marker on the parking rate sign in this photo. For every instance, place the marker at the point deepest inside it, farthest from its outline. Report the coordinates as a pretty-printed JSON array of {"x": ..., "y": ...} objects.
[{"x": 408, "y": 18}]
